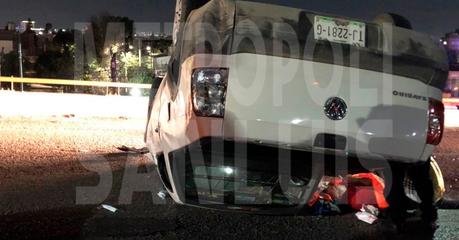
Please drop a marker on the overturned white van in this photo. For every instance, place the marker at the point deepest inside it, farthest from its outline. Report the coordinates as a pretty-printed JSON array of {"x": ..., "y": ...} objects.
[{"x": 260, "y": 101}]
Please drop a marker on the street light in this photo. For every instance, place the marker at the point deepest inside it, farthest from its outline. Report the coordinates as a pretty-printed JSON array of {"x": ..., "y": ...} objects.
[
  {"x": 140, "y": 50},
  {"x": 1, "y": 59},
  {"x": 20, "y": 61}
]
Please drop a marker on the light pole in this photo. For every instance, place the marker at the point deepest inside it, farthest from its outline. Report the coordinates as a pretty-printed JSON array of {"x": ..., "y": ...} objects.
[
  {"x": 20, "y": 60},
  {"x": 140, "y": 51},
  {"x": 1, "y": 59}
]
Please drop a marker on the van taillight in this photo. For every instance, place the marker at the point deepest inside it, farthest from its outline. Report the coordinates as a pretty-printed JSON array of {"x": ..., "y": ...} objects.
[
  {"x": 436, "y": 122},
  {"x": 208, "y": 87}
]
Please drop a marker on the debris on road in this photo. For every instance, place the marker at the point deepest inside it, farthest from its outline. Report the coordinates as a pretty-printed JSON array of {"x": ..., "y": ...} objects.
[
  {"x": 368, "y": 214},
  {"x": 109, "y": 208},
  {"x": 365, "y": 192},
  {"x": 321, "y": 193},
  {"x": 324, "y": 207},
  {"x": 336, "y": 188},
  {"x": 143, "y": 150},
  {"x": 324, "y": 200},
  {"x": 69, "y": 115},
  {"x": 370, "y": 209},
  {"x": 366, "y": 188},
  {"x": 163, "y": 194}
]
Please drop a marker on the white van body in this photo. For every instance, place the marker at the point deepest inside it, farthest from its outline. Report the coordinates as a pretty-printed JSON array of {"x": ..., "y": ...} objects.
[{"x": 288, "y": 93}]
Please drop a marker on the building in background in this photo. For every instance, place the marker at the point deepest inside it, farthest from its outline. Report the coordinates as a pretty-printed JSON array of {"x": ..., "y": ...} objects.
[
  {"x": 8, "y": 46},
  {"x": 35, "y": 41},
  {"x": 8, "y": 39},
  {"x": 29, "y": 41},
  {"x": 451, "y": 43},
  {"x": 26, "y": 24}
]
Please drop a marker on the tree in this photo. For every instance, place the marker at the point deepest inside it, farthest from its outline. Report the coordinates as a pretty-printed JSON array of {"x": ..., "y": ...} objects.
[
  {"x": 10, "y": 64},
  {"x": 10, "y": 67},
  {"x": 109, "y": 43},
  {"x": 56, "y": 64},
  {"x": 100, "y": 26},
  {"x": 64, "y": 40},
  {"x": 58, "y": 60},
  {"x": 162, "y": 44}
]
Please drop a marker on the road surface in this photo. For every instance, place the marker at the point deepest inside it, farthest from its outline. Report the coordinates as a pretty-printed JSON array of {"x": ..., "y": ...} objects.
[{"x": 44, "y": 160}]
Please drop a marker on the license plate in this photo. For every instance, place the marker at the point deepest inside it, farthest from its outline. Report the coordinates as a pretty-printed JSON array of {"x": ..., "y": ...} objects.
[{"x": 339, "y": 31}]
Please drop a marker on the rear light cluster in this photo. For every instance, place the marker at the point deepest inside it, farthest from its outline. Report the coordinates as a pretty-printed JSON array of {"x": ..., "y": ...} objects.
[
  {"x": 436, "y": 122},
  {"x": 208, "y": 88}
]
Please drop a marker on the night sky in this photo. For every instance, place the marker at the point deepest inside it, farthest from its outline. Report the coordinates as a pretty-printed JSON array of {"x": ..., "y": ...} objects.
[{"x": 435, "y": 17}]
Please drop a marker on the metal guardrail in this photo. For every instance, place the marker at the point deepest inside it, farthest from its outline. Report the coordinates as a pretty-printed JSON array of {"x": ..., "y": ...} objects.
[
  {"x": 13, "y": 80},
  {"x": 451, "y": 100}
]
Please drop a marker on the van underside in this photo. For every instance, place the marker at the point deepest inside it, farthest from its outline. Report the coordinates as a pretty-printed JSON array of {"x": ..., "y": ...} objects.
[{"x": 214, "y": 173}]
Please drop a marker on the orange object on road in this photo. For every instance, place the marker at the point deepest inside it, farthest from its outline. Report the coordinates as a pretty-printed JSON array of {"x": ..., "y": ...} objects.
[
  {"x": 318, "y": 196},
  {"x": 366, "y": 188}
]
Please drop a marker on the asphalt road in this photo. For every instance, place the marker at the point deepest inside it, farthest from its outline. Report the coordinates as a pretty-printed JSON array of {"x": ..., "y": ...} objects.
[{"x": 44, "y": 161}]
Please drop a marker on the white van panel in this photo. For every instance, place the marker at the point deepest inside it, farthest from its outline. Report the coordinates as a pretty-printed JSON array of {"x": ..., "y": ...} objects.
[{"x": 274, "y": 100}]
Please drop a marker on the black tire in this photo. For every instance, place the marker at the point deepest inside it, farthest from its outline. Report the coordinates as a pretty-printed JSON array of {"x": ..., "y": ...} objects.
[
  {"x": 394, "y": 19},
  {"x": 419, "y": 174},
  {"x": 395, "y": 192},
  {"x": 423, "y": 183}
]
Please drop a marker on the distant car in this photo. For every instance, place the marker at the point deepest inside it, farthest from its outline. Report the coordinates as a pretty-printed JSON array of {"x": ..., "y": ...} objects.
[{"x": 237, "y": 124}]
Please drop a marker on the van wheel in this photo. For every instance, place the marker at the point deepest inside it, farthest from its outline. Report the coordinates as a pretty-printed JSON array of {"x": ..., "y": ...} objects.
[
  {"x": 394, "y": 19},
  {"x": 420, "y": 183},
  {"x": 395, "y": 192}
]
